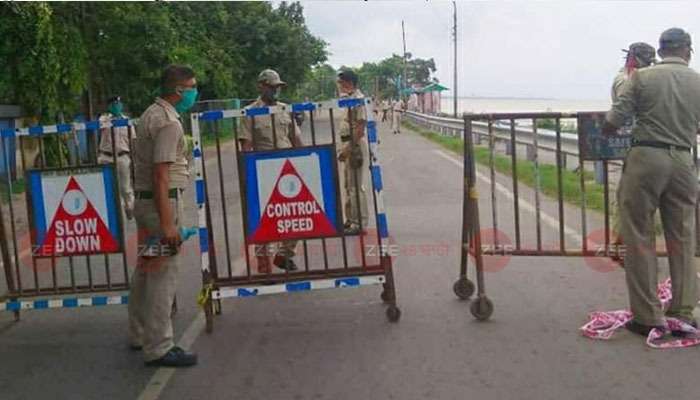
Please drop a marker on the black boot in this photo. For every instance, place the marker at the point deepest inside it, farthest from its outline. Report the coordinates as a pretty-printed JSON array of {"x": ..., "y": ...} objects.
[{"x": 175, "y": 357}]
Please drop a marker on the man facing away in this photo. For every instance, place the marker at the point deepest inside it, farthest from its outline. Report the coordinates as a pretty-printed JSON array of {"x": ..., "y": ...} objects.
[{"x": 659, "y": 173}]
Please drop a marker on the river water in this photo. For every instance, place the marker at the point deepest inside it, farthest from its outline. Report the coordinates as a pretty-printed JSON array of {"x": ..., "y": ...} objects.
[{"x": 500, "y": 105}]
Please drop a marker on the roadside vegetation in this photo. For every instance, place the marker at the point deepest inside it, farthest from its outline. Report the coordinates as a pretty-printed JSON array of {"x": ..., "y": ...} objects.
[{"x": 571, "y": 185}]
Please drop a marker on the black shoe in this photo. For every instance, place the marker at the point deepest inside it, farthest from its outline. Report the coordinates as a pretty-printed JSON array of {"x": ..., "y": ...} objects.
[
  {"x": 285, "y": 263},
  {"x": 175, "y": 357},
  {"x": 681, "y": 334},
  {"x": 640, "y": 329}
]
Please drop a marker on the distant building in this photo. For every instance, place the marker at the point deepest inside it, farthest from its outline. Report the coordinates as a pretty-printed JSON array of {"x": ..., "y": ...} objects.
[{"x": 428, "y": 98}]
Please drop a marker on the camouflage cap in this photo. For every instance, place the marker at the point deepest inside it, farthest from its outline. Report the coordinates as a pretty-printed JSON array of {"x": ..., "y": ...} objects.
[
  {"x": 270, "y": 77},
  {"x": 643, "y": 52},
  {"x": 674, "y": 38}
]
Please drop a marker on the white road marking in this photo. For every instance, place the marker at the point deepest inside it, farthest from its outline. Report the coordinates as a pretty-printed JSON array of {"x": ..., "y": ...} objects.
[
  {"x": 162, "y": 376},
  {"x": 523, "y": 204},
  {"x": 160, "y": 379}
]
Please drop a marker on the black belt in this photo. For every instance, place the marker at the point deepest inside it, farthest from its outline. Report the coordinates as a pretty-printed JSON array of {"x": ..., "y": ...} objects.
[
  {"x": 121, "y": 153},
  {"x": 658, "y": 145},
  {"x": 148, "y": 195}
]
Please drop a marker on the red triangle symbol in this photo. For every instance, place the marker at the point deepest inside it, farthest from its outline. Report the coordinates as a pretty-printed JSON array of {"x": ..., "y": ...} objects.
[
  {"x": 78, "y": 230},
  {"x": 292, "y": 211}
]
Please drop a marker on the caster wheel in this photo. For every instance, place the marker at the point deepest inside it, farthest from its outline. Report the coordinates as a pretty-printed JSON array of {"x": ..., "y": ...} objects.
[
  {"x": 463, "y": 288},
  {"x": 217, "y": 307},
  {"x": 393, "y": 314},
  {"x": 481, "y": 308}
]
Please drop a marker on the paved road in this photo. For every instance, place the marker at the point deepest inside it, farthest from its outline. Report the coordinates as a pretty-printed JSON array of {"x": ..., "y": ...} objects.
[{"x": 338, "y": 345}]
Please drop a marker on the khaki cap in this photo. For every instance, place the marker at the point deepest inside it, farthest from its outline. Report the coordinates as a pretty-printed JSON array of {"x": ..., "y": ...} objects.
[{"x": 271, "y": 77}]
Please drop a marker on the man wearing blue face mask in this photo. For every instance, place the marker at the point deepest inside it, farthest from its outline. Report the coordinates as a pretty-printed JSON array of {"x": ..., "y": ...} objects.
[
  {"x": 115, "y": 110},
  {"x": 160, "y": 177}
]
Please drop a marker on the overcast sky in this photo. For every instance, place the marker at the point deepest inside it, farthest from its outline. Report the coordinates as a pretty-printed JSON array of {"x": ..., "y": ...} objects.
[{"x": 563, "y": 49}]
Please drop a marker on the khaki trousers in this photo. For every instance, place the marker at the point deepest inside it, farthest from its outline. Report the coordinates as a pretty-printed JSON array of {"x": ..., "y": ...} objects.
[
  {"x": 356, "y": 186},
  {"x": 153, "y": 285},
  {"x": 663, "y": 179},
  {"x": 126, "y": 190},
  {"x": 396, "y": 121}
]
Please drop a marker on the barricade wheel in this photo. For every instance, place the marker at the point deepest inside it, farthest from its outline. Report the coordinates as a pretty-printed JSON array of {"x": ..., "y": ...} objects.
[
  {"x": 463, "y": 288},
  {"x": 481, "y": 308},
  {"x": 393, "y": 314}
]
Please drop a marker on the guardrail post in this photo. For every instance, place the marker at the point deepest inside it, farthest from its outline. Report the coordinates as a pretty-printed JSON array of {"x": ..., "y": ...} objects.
[
  {"x": 599, "y": 172},
  {"x": 530, "y": 152}
]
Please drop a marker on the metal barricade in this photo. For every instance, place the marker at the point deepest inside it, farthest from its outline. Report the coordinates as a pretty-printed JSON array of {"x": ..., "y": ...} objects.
[
  {"x": 65, "y": 274},
  {"x": 590, "y": 235},
  {"x": 329, "y": 259}
]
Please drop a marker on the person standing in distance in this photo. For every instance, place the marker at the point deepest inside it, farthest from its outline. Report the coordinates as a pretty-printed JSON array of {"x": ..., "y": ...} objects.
[{"x": 115, "y": 110}]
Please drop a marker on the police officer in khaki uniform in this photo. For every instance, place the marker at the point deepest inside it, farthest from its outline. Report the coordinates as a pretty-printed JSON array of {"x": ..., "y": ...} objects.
[
  {"x": 161, "y": 175},
  {"x": 258, "y": 134},
  {"x": 659, "y": 173},
  {"x": 115, "y": 110},
  {"x": 638, "y": 55},
  {"x": 396, "y": 111},
  {"x": 353, "y": 155}
]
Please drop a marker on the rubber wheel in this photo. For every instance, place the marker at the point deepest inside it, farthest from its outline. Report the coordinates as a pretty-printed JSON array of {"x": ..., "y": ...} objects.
[
  {"x": 481, "y": 308},
  {"x": 393, "y": 314},
  {"x": 463, "y": 288}
]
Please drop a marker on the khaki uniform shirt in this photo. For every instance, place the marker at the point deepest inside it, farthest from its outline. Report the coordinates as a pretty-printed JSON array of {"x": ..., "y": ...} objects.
[
  {"x": 160, "y": 138},
  {"x": 355, "y": 114},
  {"x": 121, "y": 136},
  {"x": 262, "y": 138},
  {"x": 665, "y": 101},
  {"x": 618, "y": 84}
]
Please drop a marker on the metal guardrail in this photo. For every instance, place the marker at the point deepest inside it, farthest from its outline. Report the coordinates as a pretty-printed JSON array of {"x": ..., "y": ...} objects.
[{"x": 546, "y": 139}]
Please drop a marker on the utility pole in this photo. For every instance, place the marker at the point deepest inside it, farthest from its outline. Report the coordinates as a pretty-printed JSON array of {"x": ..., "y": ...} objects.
[
  {"x": 454, "y": 32},
  {"x": 405, "y": 68}
]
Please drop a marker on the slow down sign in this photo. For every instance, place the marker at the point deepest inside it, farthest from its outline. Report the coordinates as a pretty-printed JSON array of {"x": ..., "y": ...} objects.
[{"x": 74, "y": 212}]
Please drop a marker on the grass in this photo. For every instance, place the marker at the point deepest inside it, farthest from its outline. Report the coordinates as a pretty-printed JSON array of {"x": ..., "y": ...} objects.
[
  {"x": 209, "y": 139},
  {"x": 18, "y": 187},
  {"x": 571, "y": 180}
]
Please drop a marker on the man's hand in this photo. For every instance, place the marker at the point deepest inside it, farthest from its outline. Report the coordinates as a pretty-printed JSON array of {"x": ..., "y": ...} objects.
[
  {"x": 171, "y": 236},
  {"x": 343, "y": 156},
  {"x": 162, "y": 202},
  {"x": 608, "y": 129}
]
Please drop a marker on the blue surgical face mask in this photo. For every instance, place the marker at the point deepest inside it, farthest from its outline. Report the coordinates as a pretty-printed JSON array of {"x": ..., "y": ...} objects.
[
  {"x": 189, "y": 97},
  {"x": 116, "y": 108}
]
